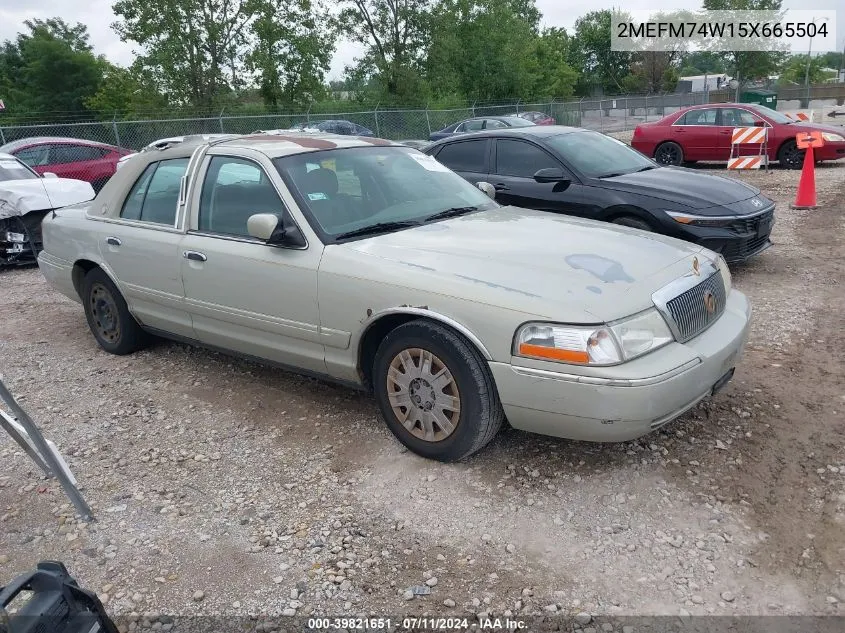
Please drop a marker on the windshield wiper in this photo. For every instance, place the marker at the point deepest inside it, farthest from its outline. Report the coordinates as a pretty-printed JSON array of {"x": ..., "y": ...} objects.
[
  {"x": 646, "y": 168},
  {"x": 452, "y": 212},
  {"x": 380, "y": 227},
  {"x": 612, "y": 175}
]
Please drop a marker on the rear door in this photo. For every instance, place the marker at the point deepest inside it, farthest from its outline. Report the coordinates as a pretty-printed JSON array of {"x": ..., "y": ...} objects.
[
  {"x": 142, "y": 248},
  {"x": 469, "y": 158},
  {"x": 697, "y": 132},
  {"x": 515, "y": 163}
]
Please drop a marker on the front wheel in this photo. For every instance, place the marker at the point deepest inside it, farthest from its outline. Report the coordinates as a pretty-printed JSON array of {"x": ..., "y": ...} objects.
[
  {"x": 115, "y": 329},
  {"x": 789, "y": 156},
  {"x": 669, "y": 153},
  {"x": 633, "y": 222},
  {"x": 435, "y": 391}
]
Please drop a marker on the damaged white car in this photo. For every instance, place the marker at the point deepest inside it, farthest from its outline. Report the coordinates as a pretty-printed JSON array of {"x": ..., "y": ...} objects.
[{"x": 25, "y": 198}]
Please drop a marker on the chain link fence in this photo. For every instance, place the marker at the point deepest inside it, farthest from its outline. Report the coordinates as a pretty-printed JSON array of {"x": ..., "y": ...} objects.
[{"x": 605, "y": 114}]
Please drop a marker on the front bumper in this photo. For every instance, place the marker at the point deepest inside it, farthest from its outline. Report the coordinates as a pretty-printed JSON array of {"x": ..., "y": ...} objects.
[
  {"x": 645, "y": 393},
  {"x": 744, "y": 239}
]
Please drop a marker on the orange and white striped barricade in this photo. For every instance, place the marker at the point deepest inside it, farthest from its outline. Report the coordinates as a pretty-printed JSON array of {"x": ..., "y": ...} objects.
[
  {"x": 800, "y": 116},
  {"x": 745, "y": 136}
]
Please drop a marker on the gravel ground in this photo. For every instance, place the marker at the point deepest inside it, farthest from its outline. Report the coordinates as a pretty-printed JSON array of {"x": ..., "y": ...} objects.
[{"x": 224, "y": 487}]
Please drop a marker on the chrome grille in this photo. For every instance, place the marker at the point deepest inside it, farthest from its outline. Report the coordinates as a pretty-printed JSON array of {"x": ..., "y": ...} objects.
[{"x": 689, "y": 309}]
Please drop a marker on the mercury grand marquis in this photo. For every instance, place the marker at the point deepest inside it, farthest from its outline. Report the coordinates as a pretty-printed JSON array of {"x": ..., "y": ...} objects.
[{"x": 370, "y": 263}]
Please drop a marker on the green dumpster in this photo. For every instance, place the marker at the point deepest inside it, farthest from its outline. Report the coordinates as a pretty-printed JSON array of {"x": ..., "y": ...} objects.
[{"x": 768, "y": 98}]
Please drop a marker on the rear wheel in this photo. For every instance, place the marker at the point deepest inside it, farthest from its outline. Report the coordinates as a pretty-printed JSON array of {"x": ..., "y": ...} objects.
[
  {"x": 669, "y": 153},
  {"x": 435, "y": 391},
  {"x": 115, "y": 329},
  {"x": 634, "y": 222},
  {"x": 789, "y": 156}
]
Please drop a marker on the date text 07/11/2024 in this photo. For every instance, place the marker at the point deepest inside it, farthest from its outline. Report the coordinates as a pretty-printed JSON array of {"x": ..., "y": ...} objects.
[{"x": 414, "y": 624}]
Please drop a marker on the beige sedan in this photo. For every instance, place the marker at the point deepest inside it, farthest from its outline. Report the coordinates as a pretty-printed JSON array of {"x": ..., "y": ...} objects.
[{"x": 371, "y": 264}]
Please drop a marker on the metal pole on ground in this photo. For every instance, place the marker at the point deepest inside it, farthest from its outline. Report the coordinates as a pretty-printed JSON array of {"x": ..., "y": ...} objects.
[
  {"x": 114, "y": 129},
  {"x": 48, "y": 461}
]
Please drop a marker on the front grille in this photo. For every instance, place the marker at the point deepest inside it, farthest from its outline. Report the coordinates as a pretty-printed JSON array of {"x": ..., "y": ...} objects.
[
  {"x": 740, "y": 250},
  {"x": 750, "y": 225},
  {"x": 689, "y": 310}
]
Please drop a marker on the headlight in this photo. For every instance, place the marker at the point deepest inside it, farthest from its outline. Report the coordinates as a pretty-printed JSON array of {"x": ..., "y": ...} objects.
[
  {"x": 593, "y": 344},
  {"x": 699, "y": 220},
  {"x": 726, "y": 274},
  {"x": 833, "y": 137}
]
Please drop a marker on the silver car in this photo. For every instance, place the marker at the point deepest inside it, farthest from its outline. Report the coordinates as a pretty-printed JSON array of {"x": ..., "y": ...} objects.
[{"x": 374, "y": 265}]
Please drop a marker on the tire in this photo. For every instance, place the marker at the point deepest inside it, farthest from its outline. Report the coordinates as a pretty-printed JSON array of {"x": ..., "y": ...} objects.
[
  {"x": 113, "y": 327},
  {"x": 471, "y": 401},
  {"x": 669, "y": 153},
  {"x": 789, "y": 156},
  {"x": 634, "y": 222}
]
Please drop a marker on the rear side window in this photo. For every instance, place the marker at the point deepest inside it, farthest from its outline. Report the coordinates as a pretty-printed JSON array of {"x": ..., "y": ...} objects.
[
  {"x": 521, "y": 159},
  {"x": 465, "y": 156},
  {"x": 706, "y": 116},
  {"x": 155, "y": 195}
]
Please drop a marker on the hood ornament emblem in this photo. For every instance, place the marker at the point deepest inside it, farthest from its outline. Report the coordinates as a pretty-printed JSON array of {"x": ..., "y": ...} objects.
[
  {"x": 709, "y": 302},
  {"x": 696, "y": 267}
]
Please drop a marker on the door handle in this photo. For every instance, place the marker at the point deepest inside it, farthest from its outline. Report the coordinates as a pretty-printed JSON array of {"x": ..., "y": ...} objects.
[
  {"x": 195, "y": 256},
  {"x": 501, "y": 187},
  {"x": 113, "y": 241}
]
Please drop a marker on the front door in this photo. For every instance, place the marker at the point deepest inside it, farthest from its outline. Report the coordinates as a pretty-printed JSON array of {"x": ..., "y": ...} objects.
[
  {"x": 142, "y": 249},
  {"x": 514, "y": 165},
  {"x": 697, "y": 133},
  {"x": 244, "y": 295},
  {"x": 729, "y": 119}
]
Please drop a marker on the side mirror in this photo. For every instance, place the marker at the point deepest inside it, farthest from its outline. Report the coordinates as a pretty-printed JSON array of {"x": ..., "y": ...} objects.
[
  {"x": 49, "y": 174},
  {"x": 551, "y": 174},
  {"x": 268, "y": 228},
  {"x": 487, "y": 188},
  {"x": 760, "y": 123}
]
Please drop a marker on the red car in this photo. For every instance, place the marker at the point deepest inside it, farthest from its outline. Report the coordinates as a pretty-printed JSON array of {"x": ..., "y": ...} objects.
[
  {"x": 704, "y": 133},
  {"x": 537, "y": 118},
  {"x": 68, "y": 157}
]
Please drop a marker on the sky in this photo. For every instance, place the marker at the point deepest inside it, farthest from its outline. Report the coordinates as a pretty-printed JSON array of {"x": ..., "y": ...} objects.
[{"x": 97, "y": 16}]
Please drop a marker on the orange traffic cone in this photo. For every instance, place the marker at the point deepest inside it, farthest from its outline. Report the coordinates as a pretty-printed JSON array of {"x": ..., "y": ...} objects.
[{"x": 806, "y": 198}]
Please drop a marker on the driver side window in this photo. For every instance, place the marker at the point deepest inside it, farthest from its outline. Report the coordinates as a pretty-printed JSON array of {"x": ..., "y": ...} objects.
[{"x": 233, "y": 190}]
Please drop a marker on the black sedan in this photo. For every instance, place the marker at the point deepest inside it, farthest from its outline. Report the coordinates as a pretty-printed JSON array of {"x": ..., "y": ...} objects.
[
  {"x": 587, "y": 174},
  {"x": 480, "y": 123}
]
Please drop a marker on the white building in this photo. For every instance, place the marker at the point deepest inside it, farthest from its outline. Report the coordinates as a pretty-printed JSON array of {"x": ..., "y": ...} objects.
[{"x": 712, "y": 82}]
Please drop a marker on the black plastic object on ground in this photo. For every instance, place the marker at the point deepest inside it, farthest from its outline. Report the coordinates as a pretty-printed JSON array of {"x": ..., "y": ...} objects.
[{"x": 56, "y": 604}]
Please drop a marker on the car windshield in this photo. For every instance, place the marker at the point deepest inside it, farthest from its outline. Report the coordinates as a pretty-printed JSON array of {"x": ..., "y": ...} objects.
[
  {"x": 13, "y": 169},
  {"x": 598, "y": 156},
  {"x": 355, "y": 189},
  {"x": 774, "y": 115}
]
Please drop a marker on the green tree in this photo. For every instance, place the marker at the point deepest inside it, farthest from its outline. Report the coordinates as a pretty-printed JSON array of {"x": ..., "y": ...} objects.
[
  {"x": 394, "y": 33},
  {"x": 195, "y": 49},
  {"x": 491, "y": 49},
  {"x": 795, "y": 70},
  {"x": 49, "y": 69},
  {"x": 291, "y": 52},
  {"x": 556, "y": 76},
  {"x": 599, "y": 65},
  {"x": 749, "y": 65},
  {"x": 126, "y": 92}
]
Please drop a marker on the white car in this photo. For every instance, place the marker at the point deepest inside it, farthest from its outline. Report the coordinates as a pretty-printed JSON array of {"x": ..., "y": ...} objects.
[
  {"x": 25, "y": 198},
  {"x": 164, "y": 143}
]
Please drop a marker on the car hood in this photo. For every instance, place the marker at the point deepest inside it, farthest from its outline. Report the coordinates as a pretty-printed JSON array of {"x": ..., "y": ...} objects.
[
  {"x": 810, "y": 126},
  {"x": 680, "y": 186},
  {"x": 542, "y": 264},
  {"x": 19, "y": 197}
]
